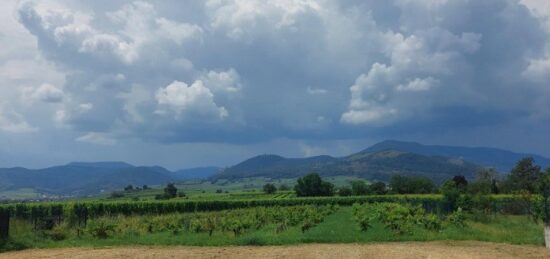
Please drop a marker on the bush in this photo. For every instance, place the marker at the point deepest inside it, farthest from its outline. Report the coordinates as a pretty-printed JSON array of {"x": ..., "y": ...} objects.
[
  {"x": 269, "y": 188},
  {"x": 457, "y": 218},
  {"x": 57, "y": 233},
  {"x": 100, "y": 228},
  {"x": 397, "y": 217},
  {"x": 345, "y": 191},
  {"x": 377, "y": 188}
]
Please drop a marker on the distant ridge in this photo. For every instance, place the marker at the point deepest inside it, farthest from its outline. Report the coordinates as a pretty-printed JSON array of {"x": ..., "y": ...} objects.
[
  {"x": 384, "y": 159},
  {"x": 502, "y": 160}
]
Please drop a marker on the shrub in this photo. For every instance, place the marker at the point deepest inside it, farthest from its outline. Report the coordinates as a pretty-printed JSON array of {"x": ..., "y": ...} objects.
[
  {"x": 57, "y": 233},
  {"x": 457, "y": 218},
  {"x": 345, "y": 191},
  {"x": 269, "y": 188},
  {"x": 100, "y": 228}
]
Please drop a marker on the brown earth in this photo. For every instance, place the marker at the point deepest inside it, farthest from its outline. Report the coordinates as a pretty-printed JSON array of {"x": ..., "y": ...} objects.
[{"x": 439, "y": 249}]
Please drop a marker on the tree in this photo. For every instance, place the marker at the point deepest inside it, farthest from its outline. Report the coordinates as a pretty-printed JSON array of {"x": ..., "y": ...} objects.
[
  {"x": 270, "y": 188},
  {"x": 460, "y": 181},
  {"x": 541, "y": 209},
  {"x": 359, "y": 188},
  {"x": 378, "y": 188},
  {"x": 145, "y": 187},
  {"x": 411, "y": 184},
  {"x": 129, "y": 188},
  {"x": 525, "y": 176},
  {"x": 345, "y": 191},
  {"x": 313, "y": 185},
  {"x": 170, "y": 191},
  {"x": 485, "y": 182},
  {"x": 451, "y": 193}
]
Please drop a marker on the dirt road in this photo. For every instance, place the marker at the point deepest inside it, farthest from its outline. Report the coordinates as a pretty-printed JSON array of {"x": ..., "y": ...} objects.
[{"x": 448, "y": 249}]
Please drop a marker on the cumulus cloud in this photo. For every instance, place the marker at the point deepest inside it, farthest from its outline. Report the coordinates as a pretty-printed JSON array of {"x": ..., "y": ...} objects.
[
  {"x": 48, "y": 93},
  {"x": 224, "y": 81},
  {"x": 191, "y": 100},
  {"x": 382, "y": 94}
]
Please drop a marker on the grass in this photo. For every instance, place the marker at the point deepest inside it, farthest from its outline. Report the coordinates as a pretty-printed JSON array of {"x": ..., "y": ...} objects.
[
  {"x": 338, "y": 227},
  {"x": 194, "y": 189}
]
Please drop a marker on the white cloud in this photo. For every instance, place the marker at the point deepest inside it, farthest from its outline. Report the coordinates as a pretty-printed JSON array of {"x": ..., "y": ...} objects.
[
  {"x": 75, "y": 30},
  {"x": 96, "y": 138},
  {"x": 316, "y": 91},
  {"x": 48, "y": 93},
  {"x": 224, "y": 81},
  {"x": 186, "y": 101},
  {"x": 386, "y": 93},
  {"x": 418, "y": 84}
]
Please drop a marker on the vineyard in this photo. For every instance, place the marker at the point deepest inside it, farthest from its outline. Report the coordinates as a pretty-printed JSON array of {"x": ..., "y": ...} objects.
[{"x": 280, "y": 219}]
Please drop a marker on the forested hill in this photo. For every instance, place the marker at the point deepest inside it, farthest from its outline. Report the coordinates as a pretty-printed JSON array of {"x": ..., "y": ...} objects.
[
  {"x": 379, "y": 165},
  {"x": 502, "y": 160},
  {"x": 384, "y": 159}
]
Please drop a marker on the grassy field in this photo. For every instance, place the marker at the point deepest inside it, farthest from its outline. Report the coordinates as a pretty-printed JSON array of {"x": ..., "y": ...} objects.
[
  {"x": 339, "y": 227},
  {"x": 247, "y": 188}
]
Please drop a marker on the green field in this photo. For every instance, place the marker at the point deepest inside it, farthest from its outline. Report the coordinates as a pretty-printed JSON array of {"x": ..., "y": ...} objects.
[{"x": 338, "y": 227}]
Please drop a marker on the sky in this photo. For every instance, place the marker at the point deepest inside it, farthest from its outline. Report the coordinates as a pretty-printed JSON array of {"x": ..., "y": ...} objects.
[{"x": 196, "y": 83}]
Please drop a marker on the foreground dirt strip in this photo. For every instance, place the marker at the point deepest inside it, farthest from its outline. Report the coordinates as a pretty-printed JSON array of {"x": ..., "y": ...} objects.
[{"x": 448, "y": 249}]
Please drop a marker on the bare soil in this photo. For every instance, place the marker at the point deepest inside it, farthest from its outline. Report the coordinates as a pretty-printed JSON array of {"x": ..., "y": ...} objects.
[{"x": 439, "y": 249}]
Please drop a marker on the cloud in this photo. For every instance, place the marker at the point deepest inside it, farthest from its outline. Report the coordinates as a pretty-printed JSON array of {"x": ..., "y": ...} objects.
[
  {"x": 238, "y": 72},
  {"x": 184, "y": 101},
  {"x": 48, "y": 93},
  {"x": 315, "y": 91},
  {"x": 96, "y": 138},
  {"x": 224, "y": 81}
]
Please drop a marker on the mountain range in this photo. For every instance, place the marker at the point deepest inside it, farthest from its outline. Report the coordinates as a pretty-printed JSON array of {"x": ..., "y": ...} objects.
[
  {"x": 377, "y": 162},
  {"x": 384, "y": 159},
  {"x": 84, "y": 178}
]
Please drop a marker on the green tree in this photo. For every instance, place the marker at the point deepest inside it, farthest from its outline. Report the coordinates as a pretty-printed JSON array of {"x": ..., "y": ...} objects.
[
  {"x": 378, "y": 188},
  {"x": 170, "y": 191},
  {"x": 485, "y": 182},
  {"x": 451, "y": 193},
  {"x": 411, "y": 184},
  {"x": 129, "y": 188},
  {"x": 270, "y": 188},
  {"x": 525, "y": 176},
  {"x": 359, "y": 188},
  {"x": 313, "y": 185},
  {"x": 345, "y": 191}
]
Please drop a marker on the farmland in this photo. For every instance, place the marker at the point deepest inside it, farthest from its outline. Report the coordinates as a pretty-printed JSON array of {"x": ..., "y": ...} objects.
[
  {"x": 254, "y": 219},
  {"x": 203, "y": 214}
]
